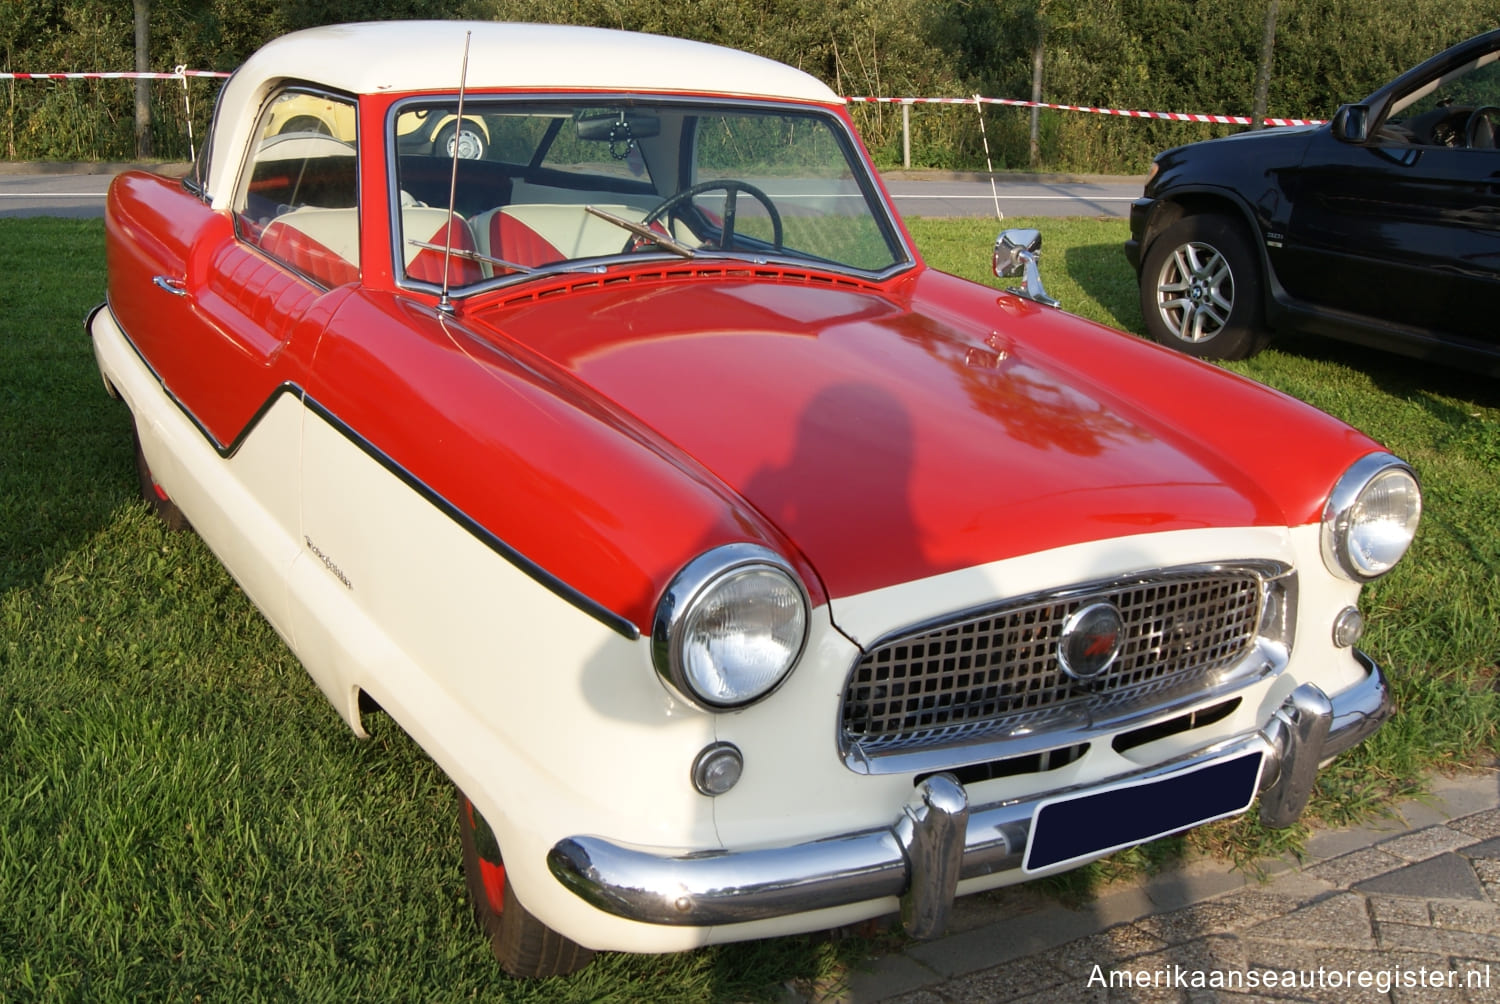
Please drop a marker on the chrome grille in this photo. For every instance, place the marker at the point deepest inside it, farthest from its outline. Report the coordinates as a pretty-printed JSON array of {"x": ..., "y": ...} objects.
[{"x": 996, "y": 671}]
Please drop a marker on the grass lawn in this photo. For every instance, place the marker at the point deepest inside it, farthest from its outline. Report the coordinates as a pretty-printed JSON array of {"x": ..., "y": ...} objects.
[{"x": 183, "y": 816}]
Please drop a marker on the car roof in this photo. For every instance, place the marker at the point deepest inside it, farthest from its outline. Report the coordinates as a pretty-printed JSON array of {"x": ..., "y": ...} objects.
[
  {"x": 392, "y": 57},
  {"x": 384, "y": 56}
]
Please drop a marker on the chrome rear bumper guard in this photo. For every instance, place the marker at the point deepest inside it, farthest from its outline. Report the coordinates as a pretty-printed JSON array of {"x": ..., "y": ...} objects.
[{"x": 938, "y": 839}]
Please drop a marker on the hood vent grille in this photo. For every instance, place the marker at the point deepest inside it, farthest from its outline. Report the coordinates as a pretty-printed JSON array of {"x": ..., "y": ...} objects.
[{"x": 538, "y": 290}]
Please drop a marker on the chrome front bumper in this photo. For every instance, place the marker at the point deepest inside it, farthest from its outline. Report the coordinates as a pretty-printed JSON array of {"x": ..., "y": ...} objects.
[{"x": 938, "y": 839}]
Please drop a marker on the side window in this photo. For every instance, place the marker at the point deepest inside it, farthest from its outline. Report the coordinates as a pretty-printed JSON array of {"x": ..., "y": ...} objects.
[
  {"x": 1458, "y": 109},
  {"x": 299, "y": 197}
]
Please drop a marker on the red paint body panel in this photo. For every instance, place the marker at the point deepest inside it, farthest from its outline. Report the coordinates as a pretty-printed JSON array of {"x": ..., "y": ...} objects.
[
  {"x": 225, "y": 345},
  {"x": 897, "y": 435},
  {"x": 563, "y": 477}
]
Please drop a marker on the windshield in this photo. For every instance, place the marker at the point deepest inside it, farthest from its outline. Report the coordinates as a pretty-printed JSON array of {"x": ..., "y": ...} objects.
[{"x": 546, "y": 186}]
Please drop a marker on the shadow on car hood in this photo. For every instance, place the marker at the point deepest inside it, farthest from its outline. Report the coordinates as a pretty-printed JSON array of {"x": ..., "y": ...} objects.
[{"x": 890, "y": 442}]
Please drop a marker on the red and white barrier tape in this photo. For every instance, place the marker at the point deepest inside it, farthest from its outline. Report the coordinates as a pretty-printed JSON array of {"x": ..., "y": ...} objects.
[
  {"x": 1124, "y": 113},
  {"x": 180, "y": 73}
]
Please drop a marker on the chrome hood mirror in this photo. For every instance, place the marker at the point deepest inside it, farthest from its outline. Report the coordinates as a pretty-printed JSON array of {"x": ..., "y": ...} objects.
[{"x": 1016, "y": 254}]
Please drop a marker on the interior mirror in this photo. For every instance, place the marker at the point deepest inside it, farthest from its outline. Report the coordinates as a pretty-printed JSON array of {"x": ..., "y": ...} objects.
[
  {"x": 616, "y": 128},
  {"x": 1351, "y": 124}
]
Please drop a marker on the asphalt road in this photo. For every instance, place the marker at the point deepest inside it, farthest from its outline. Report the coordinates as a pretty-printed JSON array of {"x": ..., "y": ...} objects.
[
  {"x": 919, "y": 194},
  {"x": 78, "y": 195},
  {"x": 916, "y": 194}
]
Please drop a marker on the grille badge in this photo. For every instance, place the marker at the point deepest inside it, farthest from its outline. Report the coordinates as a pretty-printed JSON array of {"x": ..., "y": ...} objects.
[{"x": 1091, "y": 641}]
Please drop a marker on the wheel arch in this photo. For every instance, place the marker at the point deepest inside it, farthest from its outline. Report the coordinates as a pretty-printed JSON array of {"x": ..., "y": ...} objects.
[{"x": 1168, "y": 209}]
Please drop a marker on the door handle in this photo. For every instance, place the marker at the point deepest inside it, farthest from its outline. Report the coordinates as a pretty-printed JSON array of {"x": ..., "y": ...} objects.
[{"x": 177, "y": 287}]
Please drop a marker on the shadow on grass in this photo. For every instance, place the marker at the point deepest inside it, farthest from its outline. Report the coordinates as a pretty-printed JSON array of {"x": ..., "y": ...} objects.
[
  {"x": 1402, "y": 376},
  {"x": 1104, "y": 275},
  {"x": 65, "y": 447}
]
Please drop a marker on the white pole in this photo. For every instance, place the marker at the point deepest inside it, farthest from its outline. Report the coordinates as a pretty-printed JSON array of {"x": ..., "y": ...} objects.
[{"x": 906, "y": 135}]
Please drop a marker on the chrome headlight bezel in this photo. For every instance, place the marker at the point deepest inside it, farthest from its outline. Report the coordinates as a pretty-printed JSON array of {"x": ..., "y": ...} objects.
[
  {"x": 1344, "y": 532},
  {"x": 691, "y": 594}
]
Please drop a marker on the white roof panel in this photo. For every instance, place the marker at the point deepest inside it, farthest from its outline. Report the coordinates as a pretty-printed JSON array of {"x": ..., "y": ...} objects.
[
  {"x": 408, "y": 56},
  {"x": 422, "y": 55}
]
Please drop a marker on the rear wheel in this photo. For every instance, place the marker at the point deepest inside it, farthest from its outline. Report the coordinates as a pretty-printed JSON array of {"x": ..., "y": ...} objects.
[
  {"x": 523, "y": 945},
  {"x": 306, "y": 123},
  {"x": 1201, "y": 290},
  {"x": 466, "y": 143},
  {"x": 154, "y": 495}
]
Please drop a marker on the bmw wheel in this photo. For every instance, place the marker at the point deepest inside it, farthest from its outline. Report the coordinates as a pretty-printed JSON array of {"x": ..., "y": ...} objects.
[{"x": 1201, "y": 290}]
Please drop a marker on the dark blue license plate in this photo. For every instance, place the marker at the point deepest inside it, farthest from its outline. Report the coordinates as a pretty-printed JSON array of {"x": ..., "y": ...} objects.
[{"x": 1074, "y": 828}]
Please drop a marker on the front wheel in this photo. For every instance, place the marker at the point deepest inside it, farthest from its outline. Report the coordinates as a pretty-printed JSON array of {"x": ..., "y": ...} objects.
[
  {"x": 1201, "y": 290},
  {"x": 523, "y": 945}
]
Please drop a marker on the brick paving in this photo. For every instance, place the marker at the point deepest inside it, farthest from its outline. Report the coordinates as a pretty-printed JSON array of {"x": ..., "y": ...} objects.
[{"x": 1402, "y": 911}]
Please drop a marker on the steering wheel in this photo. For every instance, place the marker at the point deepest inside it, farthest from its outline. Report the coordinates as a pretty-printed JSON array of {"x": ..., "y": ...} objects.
[
  {"x": 1479, "y": 130},
  {"x": 731, "y": 189}
]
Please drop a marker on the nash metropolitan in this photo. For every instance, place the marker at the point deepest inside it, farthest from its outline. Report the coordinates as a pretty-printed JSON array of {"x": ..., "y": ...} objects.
[{"x": 746, "y": 575}]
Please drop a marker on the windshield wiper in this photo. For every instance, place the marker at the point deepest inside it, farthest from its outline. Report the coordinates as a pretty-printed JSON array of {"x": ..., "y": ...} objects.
[{"x": 644, "y": 232}]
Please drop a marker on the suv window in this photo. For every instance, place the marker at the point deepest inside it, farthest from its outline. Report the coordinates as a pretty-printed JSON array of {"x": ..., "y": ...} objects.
[{"x": 1446, "y": 111}]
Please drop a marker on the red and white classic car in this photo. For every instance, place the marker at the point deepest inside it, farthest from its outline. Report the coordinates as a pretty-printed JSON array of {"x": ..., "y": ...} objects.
[{"x": 746, "y": 575}]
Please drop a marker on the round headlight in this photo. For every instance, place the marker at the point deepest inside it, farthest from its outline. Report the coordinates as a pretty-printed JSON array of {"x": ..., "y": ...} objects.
[
  {"x": 730, "y": 626},
  {"x": 1371, "y": 518}
]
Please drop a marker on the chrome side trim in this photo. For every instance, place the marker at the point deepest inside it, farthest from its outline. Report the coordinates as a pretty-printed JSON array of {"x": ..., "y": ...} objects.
[{"x": 728, "y": 887}]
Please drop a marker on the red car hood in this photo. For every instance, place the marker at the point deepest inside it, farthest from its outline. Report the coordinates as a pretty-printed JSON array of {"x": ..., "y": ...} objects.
[{"x": 897, "y": 434}]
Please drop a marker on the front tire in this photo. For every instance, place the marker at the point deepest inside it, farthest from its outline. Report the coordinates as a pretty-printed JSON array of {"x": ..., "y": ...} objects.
[
  {"x": 523, "y": 945},
  {"x": 1201, "y": 290}
]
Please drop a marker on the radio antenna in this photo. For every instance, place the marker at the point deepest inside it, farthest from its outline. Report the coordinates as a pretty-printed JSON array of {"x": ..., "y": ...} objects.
[{"x": 444, "y": 303}]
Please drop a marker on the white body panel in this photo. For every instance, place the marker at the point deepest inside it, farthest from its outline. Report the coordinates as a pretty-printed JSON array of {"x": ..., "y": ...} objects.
[
  {"x": 245, "y": 506},
  {"x": 793, "y": 733}
]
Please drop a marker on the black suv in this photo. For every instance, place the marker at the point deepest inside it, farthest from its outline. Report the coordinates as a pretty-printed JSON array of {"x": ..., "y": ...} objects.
[{"x": 1381, "y": 227}]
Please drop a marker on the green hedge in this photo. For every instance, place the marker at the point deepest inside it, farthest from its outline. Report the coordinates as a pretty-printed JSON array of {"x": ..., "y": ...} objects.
[{"x": 1159, "y": 55}]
